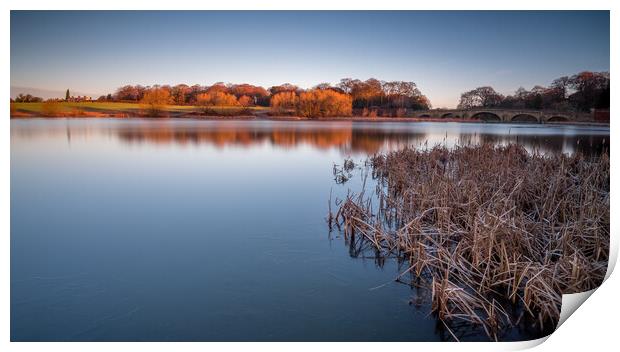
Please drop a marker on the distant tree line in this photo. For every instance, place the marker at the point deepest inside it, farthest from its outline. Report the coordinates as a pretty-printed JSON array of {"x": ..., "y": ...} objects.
[
  {"x": 580, "y": 92},
  {"x": 369, "y": 93},
  {"x": 21, "y": 98},
  {"x": 218, "y": 94}
]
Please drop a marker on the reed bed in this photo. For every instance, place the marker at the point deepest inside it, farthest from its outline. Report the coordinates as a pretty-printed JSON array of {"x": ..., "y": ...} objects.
[{"x": 495, "y": 234}]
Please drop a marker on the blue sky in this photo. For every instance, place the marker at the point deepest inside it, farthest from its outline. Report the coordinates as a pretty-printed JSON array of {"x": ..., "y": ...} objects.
[{"x": 445, "y": 53}]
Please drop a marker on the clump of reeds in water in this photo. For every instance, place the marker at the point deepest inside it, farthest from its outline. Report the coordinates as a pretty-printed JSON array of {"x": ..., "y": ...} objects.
[{"x": 496, "y": 234}]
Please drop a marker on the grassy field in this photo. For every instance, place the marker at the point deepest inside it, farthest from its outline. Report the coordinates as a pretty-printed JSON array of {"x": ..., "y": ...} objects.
[{"x": 109, "y": 108}]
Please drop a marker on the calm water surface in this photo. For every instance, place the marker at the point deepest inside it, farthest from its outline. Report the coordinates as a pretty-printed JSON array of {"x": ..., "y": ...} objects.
[{"x": 157, "y": 230}]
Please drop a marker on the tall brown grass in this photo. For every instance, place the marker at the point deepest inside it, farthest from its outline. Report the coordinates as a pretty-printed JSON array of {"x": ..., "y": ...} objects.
[{"x": 496, "y": 234}]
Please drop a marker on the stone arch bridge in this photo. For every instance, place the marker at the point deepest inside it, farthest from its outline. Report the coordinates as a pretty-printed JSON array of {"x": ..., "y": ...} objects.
[{"x": 505, "y": 115}]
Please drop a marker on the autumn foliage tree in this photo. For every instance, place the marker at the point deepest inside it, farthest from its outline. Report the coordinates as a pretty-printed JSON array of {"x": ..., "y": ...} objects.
[
  {"x": 154, "y": 101},
  {"x": 257, "y": 95},
  {"x": 129, "y": 93},
  {"x": 180, "y": 94},
  {"x": 246, "y": 101},
  {"x": 284, "y": 101},
  {"x": 324, "y": 103},
  {"x": 216, "y": 98}
]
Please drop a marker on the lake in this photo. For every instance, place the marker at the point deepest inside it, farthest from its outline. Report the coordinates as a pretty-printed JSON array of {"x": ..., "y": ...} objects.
[{"x": 190, "y": 230}]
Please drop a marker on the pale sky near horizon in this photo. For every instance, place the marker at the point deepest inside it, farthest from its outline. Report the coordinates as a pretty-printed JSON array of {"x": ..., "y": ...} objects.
[{"x": 444, "y": 52}]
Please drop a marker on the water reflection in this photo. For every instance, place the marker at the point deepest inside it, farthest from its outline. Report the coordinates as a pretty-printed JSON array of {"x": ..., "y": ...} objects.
[
  {"x": 190, "y": 230},
  {"x": 348, "y": 137}
]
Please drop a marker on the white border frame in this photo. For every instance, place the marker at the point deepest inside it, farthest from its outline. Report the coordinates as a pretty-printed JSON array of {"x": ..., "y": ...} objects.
[{"x": 593, "y": 327}]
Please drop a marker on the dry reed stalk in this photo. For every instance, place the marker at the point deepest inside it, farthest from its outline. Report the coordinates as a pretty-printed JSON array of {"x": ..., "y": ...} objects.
[{"x": 485, "y": 227}]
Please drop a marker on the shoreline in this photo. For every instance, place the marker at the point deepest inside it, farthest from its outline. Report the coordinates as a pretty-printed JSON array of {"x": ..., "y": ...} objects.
[
  {"x": 265, "y": 117},
  {"x": 260, "y": 113}
]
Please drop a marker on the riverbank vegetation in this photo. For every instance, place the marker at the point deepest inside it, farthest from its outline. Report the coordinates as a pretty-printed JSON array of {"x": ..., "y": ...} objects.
[
  {"x": 350, "y": 97},
  {"x": 495, "y": 235},
  {"x": 323, "y": 100}
]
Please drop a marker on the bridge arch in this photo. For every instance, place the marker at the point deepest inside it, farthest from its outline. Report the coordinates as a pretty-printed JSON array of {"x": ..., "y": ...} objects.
[
  {"x": 447, "y": 115},
  {"x": 486, "y": 116},
  {"x": 557, "y": 118},
  {"x": 425, "y": 116},
  {"x": 524, "y": 118}
]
